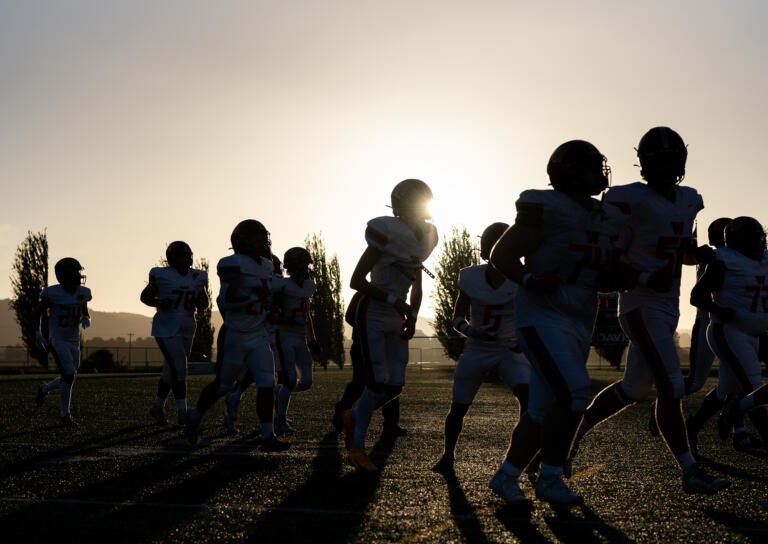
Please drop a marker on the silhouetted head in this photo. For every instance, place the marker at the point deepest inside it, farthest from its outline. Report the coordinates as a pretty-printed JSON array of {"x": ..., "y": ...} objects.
[
  {"x": 410, "y": 198},
  {"x": 298, "y": 262},
  {"x": 578, "y": 167},
  {"x": 662, "y": 155},
  {"x": 490, "y": 236},
  {"x": 716, "y": 231},
  {"x": 69, "y": 273},
  {"x": 179, "y": 256},
  {"x": 251, "y": 238},
  {"x": 747, "y": 236}
]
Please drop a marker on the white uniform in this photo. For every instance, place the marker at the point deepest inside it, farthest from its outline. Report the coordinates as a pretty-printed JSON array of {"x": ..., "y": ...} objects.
[
  {"x": 66, "y": 311},
  {"x": 736, "y": 343},
  {"x": 293, "y": 301},
  {"x": 555, "y": 329},
  {"x": 494, "y": 309},
  {"x": 378, "y": 324},
  {"x": 174, "y": 327},
  {"x": 654, "y": 234},
  {"x": 243, "y": 338}
]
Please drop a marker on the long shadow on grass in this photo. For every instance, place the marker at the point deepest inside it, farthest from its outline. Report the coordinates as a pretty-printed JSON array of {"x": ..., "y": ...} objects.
[
  {"x": 570, "y": 528},
  {"x": 463, "y": 512},
  {"x": 89, "y": 444},
  {"x": 735, "y": 472},
  {"x": 329, "y": 506},
  {"x": 755, "y": 531},
  {"x": 139, "y": 504}
]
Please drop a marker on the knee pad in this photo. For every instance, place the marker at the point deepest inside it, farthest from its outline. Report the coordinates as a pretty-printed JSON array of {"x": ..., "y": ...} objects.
[
  {"x": 68, "y": 378},
  {"x": 392, "y": 391}
]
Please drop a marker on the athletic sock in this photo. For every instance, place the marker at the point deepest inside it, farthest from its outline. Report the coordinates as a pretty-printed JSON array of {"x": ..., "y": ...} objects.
[
  {"x": 550, "y": 470},
  {"x": 365, "y": 408},
  {"x": 51, "y": 385},
  {"x": 65, "y": 394},
  {"x": 685, "y": 460},
  {"x": 511, "y": 470},
  {"x": 266, "y": 430}
]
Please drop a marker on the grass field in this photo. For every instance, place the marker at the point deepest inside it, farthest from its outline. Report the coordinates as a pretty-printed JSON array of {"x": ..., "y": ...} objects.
[{"x": 118, "y": 477}]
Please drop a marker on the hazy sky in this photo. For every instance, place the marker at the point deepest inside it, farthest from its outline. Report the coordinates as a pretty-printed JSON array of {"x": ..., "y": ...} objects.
[{"x": 127, "y": 125}]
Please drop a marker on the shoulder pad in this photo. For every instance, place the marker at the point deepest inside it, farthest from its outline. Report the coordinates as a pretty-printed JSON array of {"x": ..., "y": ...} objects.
[
  {"x": 622, "y": 197},
  {"x": 377, "y": 232},
  {"x": 468, "y": 277},
  {"x": 530, "y": 208}
]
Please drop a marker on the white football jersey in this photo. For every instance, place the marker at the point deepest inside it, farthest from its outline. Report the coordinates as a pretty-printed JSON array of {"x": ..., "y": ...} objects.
[
  {"x": 654, "y": 234},
  {"x": 744, "y": 290},
  {"x": 402, "y": 253},
  {"x": 254, "y": 276},
  {"x": 293, "y": 299},
  {"x": 66, "y": 311},
  {"x": 577, "y": 245},
  {"x": 489, "y": 306},
  {"x": 182, "y": 291}
]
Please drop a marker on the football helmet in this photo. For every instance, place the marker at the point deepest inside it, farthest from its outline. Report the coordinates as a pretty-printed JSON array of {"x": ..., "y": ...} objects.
[
  {"x": 411, "y": 198},
  {"x": 716, "y": 231},
  {"x": 251, "y": 238},
  {"x": 746, "y": 235},
  {"x": 578, "y": 165},
  {"x": 662, "y": 155},
  {"x": 179, "y": 255},
  {"x": 298, "y": 261},
  {"x": 69, "y": 272},
  {"x": 490, "y": 236}
]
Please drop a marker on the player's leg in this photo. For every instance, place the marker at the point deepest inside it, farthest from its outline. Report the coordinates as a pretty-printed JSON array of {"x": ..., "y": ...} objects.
[
  {"x": 355, "y": 387},
  {"x": 232, "y": 402},
  {"x": 397, "y": 362},
  {"x": 700, "y": 358},
  {"x": 164, "y": 384},
  {"x": 175, "y": 350},
  {"x": 261, "y": 364},
  {"x": 467, "y": 378},
  {"x": 64, "y": 355}
]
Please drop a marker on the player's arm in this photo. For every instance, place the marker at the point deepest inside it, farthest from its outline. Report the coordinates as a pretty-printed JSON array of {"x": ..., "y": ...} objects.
[
  {"x": 42, "y": 332},
  {"x": 149, "y": 295},
  {"x": 708, "y": 283},
  {"x": 693, "y": 254},
  {"x": 312, "y": 343},
  {"x": 232, "y": 300},
  {"x": 519, "y": 240},
  {"x": 85, "y": 320},
  {"x": 359, "y": 281},
  {"x": 409, "y": 327}
]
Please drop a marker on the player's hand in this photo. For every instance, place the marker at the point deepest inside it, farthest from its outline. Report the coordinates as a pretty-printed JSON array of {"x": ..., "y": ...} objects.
[
  {"x": 409, "y": 328},
  {"x": 725, "y": 315},
  {"x": 543, "y": 284},
  {"x": 482, "y": 333},
  {"x": 402, "y": 307},
  {"x": 315, "y": 350},
  {"x": 164, "y": 303},
  {"x": 40, "y": 341},
  {"x": 85, "y": 322}
]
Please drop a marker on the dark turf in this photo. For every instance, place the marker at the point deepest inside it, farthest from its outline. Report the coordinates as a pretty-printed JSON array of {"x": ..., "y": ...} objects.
[{"x": 119, "y": 477}]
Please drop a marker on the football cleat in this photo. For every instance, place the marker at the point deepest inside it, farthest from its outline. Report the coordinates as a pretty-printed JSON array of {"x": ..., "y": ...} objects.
[
  {"x": 348, "y": 422},
  {"x": 743, "y": 441},
  {"x": 67, "y": 421},
  {"x": 229, "y": 424},
  {"x": 359, "y": 459},
  {"x": 158, "y": 414},
  {"x": 283, "y": 427},
  {"x": 507, "y": 488},
  {"x": 696, "y": 480},
  {"x": 41, "y": 394},
  {"x": 444, "y": 465},
  {"x": 192, "y": 427},
  {"x": 272, "y": 444},
  {"x": 553, "y": 490},
  {"x": 653, "y": 427}
]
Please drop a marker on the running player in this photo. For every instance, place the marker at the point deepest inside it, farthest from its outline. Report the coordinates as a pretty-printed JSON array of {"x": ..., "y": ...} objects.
[
  {"x": 488, "y": 298},
  {"x": 397, "y": 248},
  {"x": 566, "y": 238},
  {"x": 176, "y": 291},
  {"x": 243, "y": 340},
  {"x": 734, "y": 291},
  {"x": 67, "y": 307},
  {"x": 656, "y": 241}
]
